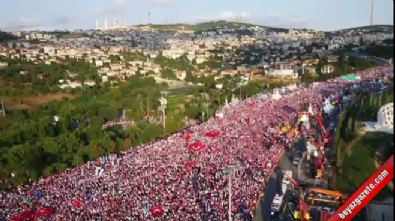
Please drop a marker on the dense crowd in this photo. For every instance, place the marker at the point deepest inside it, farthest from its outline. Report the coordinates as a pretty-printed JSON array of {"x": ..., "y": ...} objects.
[{"x": 183, "y": 177}]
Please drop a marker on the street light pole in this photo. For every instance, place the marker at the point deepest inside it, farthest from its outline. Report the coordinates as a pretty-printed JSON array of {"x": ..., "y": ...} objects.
[
  {"x": 163, "y": 106},
  {"x": 230, "y": 197}
]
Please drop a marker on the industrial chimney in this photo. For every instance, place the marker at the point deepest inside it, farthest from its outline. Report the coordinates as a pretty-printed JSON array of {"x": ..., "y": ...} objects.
[
  {"x": 97, "y": 24},
  {"x": 105, "y": 24}
]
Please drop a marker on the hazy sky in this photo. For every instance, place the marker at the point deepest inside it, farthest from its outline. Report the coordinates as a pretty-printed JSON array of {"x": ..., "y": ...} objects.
[{"x": 71, "y": 14}]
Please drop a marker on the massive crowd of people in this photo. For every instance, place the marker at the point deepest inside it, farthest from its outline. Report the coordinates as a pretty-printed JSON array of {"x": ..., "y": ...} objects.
[{"x": 183, "y": 177}]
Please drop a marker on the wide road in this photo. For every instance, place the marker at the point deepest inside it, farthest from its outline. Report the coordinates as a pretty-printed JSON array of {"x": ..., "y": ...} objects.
[
  {"x": 271, "y": 188},
  {"x": 286, "y": 164}
]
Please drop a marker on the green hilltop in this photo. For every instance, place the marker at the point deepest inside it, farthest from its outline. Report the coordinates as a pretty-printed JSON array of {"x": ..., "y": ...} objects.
[
  {"x": 369, "y": 28},
  {"x": 221, "y": 23},
  {"x": 203, "y": 25}
]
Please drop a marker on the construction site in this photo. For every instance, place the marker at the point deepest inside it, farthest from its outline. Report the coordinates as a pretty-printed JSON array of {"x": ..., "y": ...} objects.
[{"x": 301, "y": 187}]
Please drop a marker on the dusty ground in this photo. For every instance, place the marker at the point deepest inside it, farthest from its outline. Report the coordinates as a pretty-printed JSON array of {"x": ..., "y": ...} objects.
[
  {"x": 264, "y": 79},
  {"x": 33, "y": 101}
]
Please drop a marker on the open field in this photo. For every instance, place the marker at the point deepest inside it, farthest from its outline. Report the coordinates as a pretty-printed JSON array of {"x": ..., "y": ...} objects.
[
  {"x": 360, "y": 164},
  {"x": 32, "y": 101}
]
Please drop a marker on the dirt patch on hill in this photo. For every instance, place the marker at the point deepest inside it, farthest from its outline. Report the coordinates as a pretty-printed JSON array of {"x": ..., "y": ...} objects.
[
  {"x": 267, "y": 80},
  {"x": 33, "y": 101}
]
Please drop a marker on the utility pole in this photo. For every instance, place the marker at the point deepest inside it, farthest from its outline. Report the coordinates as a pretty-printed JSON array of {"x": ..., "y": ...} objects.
[{"x": 163, "y": 107}]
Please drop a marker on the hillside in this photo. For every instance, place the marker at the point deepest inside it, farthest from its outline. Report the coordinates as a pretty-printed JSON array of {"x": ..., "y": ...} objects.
[
  {"x": 215, "y": 24},
  {"x": 202, "y": 26},
  {"x": 372, "y": 28}
]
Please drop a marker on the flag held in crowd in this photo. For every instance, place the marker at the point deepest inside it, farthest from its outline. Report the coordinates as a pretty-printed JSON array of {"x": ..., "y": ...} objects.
[
  {"x": 45, "y": 211},
  {"x": 27, "y": 215},
  {"x": 76, "y": 203},
  {"x": 196, "y": 147},
  {"x": 157, "y": 211},
  {"x": 213, "y": 134},
  {"x": 190, "y": 164},
  {"x": 187, "y": 136}
]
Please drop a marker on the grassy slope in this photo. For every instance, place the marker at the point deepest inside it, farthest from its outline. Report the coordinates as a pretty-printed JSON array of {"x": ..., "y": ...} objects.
[
  {"x": 359, "y": 166},
  {"x": 372, "y": 28},
  {"x": 202, "y": 26},
  {"x": 214, "y": 24}
]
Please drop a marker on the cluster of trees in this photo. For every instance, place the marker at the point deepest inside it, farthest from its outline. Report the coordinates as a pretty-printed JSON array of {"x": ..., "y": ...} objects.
[
  {"x": 4, "y": 37},
  {"x": 22, "y": 76},
  {"x": 364, "y": 108},
  {"x": 385, "y": 51},
  {"x": 342, "y": 66},
  {"x": 35, "y": 144},
  {"x": 169, "y": 66}
]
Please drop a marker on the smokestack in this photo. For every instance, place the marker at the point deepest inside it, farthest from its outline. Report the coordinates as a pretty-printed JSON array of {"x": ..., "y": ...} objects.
[
  {"x": 372, "y": 13},
  {"x": 113, "y": 22},
  {"x": 149, "y": 17},
  {"x": 124, "y": 22},
  {"x": 105, "y": 24},
  {"x": 97, "y": 24}
]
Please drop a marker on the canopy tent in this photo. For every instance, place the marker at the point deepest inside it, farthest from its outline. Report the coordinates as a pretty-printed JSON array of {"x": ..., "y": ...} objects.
[
  {"x": 276, "y": 94},
  {"x": 385, "y": 120}
]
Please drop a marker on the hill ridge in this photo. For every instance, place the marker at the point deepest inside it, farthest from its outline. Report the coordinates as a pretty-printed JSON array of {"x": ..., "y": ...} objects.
[{"x": 222, "y": 23}]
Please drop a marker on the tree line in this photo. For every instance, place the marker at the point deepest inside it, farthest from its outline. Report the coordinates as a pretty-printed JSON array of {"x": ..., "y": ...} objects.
[
  {"x": 364, "y": 107},
  {"x": 49, "y": 138}
]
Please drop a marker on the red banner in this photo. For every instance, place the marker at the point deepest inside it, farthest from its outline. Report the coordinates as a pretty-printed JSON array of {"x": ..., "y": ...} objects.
[{"x": 366, "y": 192}]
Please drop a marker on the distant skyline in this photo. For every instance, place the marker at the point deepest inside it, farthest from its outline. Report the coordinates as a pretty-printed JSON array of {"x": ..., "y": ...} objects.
[{"x": 324, "y": 15}]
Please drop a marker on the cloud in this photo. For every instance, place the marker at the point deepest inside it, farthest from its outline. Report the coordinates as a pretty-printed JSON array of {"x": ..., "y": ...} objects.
[
  {"x": 117, "y": 6},
  {"x": 19, "y": 24},
  {"x": 163, "y": 2}
]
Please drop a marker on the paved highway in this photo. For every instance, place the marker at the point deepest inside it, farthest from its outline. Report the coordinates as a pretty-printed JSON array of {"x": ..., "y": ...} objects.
[{"x": 286, "y": 163}]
